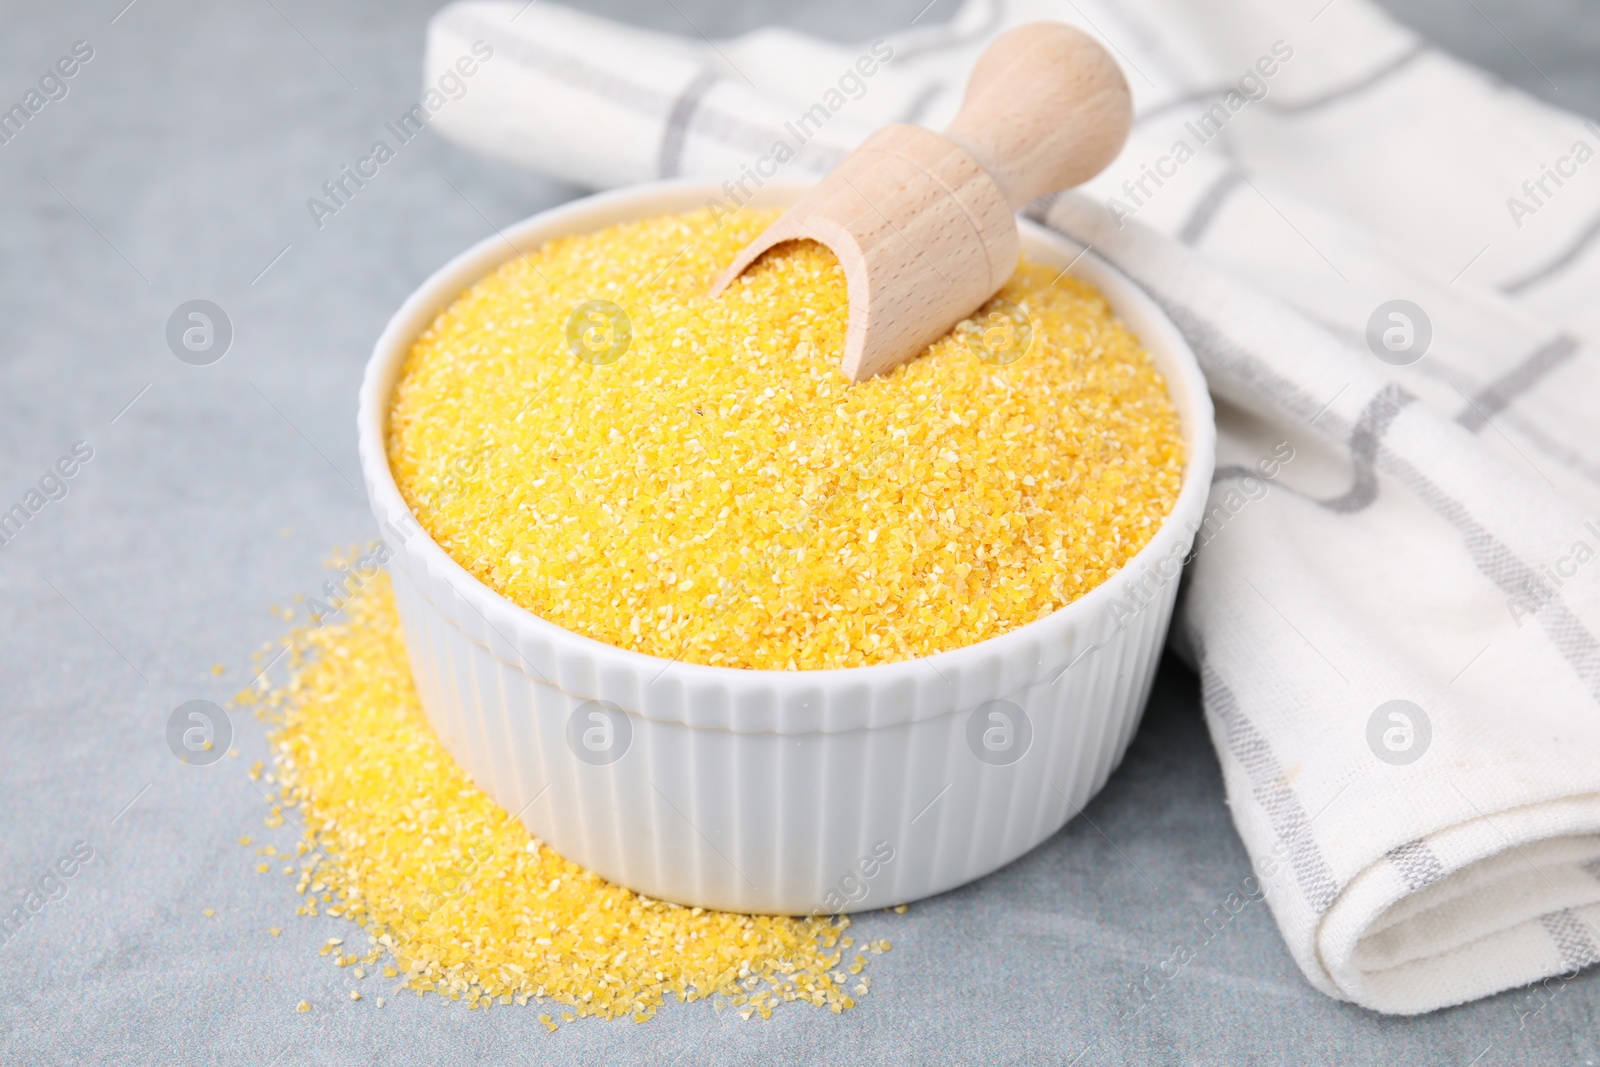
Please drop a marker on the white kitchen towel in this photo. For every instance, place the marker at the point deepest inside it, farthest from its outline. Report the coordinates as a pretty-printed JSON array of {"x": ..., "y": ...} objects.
[{"x": 1387, "y": 263}]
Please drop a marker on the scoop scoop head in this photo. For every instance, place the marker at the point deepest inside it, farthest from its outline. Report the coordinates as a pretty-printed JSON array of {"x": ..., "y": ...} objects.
[{"x": 924, "y": 223}]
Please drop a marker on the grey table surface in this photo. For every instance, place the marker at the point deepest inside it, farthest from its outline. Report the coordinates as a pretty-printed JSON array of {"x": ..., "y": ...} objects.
[{"x": 176, "y": 168}]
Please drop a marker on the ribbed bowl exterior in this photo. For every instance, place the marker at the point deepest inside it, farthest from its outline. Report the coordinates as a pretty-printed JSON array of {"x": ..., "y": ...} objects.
[{"x": 772, "y": 791}]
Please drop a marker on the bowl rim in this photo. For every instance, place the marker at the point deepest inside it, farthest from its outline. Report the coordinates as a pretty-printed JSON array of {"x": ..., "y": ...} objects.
[{"x": 1176, "y": 360}]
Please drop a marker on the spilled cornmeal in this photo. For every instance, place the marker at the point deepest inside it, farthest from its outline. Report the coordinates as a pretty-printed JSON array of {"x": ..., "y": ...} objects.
[{"x": 455, "y": 897}]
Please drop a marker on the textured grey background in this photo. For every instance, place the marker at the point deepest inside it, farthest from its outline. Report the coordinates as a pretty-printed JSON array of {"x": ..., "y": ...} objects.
[{"x": 177, "y": 168}]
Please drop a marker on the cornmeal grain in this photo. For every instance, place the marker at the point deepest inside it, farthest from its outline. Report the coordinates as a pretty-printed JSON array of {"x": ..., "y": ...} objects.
[
  {"x": 696, "y": 479},
  {"x": 397, "y": 838}
]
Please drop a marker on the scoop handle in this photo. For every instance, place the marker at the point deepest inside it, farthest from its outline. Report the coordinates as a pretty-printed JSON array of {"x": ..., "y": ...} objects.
[{"x": 1046, "y": 108}]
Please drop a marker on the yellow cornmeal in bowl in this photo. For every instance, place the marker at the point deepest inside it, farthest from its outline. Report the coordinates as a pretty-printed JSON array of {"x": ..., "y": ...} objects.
[{"x": 590, "y": 435}]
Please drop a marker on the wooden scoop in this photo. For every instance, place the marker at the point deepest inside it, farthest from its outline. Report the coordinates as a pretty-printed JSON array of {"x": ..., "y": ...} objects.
[{"x": 924, "y": 223}]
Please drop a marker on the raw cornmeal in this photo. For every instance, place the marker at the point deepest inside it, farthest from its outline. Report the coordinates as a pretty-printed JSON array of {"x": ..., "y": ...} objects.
[
  {"x": 456, "y": 897},
  {"x": 696, "y": 479}
]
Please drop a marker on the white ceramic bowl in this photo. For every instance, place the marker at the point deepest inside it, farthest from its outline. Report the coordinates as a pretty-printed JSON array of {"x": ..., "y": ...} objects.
[{"x": 788, "y": 792}]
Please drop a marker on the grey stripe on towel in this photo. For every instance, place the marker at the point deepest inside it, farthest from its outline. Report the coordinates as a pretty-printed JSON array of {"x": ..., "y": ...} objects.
[
  {"x": 1208, "y": 206},
  {"x": 1376, "y": 76},
  {"x": 1365, "y": 440},
  {"x": 1504, "y": 390},
  {"x": 670, "y": 162},
  {"x": 1283, "y": 809},
  {"x": 1417, "y": 863},
  {"x": 1571, "y": 935},
  {"x": 1563, "y": 259}
]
